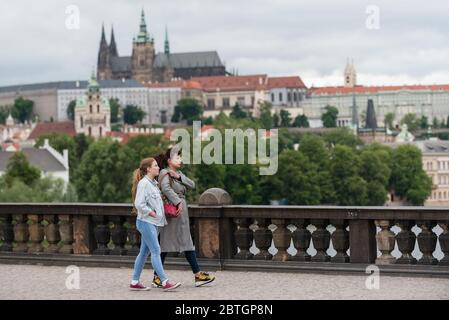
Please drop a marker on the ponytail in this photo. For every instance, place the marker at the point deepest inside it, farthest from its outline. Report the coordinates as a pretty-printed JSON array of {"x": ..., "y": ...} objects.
[{"x": 138, "y": 174}]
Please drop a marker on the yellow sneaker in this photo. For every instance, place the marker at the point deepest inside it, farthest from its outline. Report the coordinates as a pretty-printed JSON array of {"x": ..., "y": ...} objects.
[
  {"x": 157, "y": 283},
  {"x": 203, "y": 278}
]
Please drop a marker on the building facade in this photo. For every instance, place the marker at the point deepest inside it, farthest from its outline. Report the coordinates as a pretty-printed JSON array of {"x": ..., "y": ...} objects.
[{"x": 92, "y": 112}]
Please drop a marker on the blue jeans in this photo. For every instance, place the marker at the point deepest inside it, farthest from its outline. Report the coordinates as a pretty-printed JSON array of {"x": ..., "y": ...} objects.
[{"x": 149, "y": 243}]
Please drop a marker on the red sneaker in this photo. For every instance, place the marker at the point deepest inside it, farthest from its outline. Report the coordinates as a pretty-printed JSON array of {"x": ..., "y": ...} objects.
[
  {"x": 171, "y": 286},
  {"x": 138, "y": 287}
]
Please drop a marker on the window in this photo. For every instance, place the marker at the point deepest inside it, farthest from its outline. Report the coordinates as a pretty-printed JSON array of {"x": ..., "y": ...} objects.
[
  {"x": 272, "y": 97},
  {"x": 90, "y": 132},
  {"x": 226, "y": 102},
  {"x": 101, "y": 132},
  {"x": 211, "y": 103},
  {"x": 295, "y": 96},
  {"x": 241, "y": 101},
  {"x": 280, "y": 96},
  {"x": 98, "y": 108},
  {"x": 289, "y": 96},
  {"x": 82, "y": 122},
  {"x": 252, "y": 101},
  {"x": 90, "y": 108}
]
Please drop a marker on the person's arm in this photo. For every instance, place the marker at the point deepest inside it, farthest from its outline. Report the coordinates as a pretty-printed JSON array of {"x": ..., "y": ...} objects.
[
  {"x": 168, "y": 191},
  {"x": 186, "y": 181},
  {"x": 141, "y": 202}
]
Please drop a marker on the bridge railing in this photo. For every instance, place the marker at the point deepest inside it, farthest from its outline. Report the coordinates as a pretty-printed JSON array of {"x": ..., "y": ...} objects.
[{"x": 226, "y": 233}]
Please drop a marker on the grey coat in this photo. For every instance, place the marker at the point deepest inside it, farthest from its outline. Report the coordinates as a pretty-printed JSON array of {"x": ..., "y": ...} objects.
[{"x": 175, "y": 236}]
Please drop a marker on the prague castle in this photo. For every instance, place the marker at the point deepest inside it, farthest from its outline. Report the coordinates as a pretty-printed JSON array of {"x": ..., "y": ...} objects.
[{"x": 147, "y": 66}]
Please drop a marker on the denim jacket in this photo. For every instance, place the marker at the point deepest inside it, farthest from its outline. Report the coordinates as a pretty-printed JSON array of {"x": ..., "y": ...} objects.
[{"x": 148, "y": 199}]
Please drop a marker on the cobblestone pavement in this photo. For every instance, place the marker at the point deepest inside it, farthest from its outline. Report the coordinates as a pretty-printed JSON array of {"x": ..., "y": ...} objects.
[{"x": 42, "y": 282}]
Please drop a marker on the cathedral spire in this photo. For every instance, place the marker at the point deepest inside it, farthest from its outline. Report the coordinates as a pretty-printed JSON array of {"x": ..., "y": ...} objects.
[
  {"x": 167, "y": 43},
  {"x": 113, "y": 45},
  {"x": 103, "y": 36},
  {"x": 143, "y": 35}
]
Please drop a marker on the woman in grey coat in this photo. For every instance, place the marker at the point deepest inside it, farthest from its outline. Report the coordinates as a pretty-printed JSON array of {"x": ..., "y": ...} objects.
[{"x": 176, "y": 236}]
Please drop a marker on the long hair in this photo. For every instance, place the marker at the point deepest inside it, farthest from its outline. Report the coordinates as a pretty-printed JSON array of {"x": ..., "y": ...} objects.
[
  {"x": 138, "y": 174},
  {"x": 162, "y": 159}
]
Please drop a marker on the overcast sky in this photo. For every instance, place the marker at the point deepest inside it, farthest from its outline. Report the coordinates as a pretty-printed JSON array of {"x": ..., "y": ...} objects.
[{"x": 409, "y": 43}]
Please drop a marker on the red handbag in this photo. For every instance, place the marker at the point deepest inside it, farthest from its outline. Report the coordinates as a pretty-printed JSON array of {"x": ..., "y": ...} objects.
[{"x": 169, "y": 208}]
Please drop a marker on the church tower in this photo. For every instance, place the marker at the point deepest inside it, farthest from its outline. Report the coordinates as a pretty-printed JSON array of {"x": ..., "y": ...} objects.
[
  {"x": 143, "y": 54},
  {"x": 350, "y": 75},
  {"x": 104, "y": 70}
]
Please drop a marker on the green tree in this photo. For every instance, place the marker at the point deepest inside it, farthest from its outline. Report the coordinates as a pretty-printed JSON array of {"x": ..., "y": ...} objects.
[
  {"x": 343, "y": 136},
  {"x": 389, "y": 118},
  {"x": 133, "y": 114},
  {"x": 424, "y": 122},
  {"x": 285, "y": 118},
  {"x": 276, "y": 120},
  {"x": 350, "y": 188},
  {"x": 188, "y": 109},
  {"x": 412, "y": 122},
  {"x": 301, "y": 121},
  {"x": 237, "y": 112},
  {"x": 114, "y": 103},
  {"x": 329, "y": 118},
  {"x": 18, "y": 168},
  {"x": 265, "y": 115},
  {"x": 4, "y": 113},
  {"x": 71, "y": 110},
  {"x": 105, "y": 171},
  {"x": 148, "y": 145},
  {"x": 408, "y": 179},
  {"x": 22, "y": 109}
]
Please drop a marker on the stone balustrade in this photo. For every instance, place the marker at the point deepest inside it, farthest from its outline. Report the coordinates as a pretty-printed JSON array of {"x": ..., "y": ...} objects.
[{"x": 312, "y": 235}]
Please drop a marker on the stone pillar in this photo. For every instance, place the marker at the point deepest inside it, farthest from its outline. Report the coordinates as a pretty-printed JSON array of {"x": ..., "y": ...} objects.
[
  {"x": 215, "y": 235},
  {"x": 385, "y": 242},
  {"x": 52, "y": 233},
  {"x": 133, "y": 236},
  {"x": 427, "y": 241},
  {"x": 282, "y": 239},
  {"x": 444, "y": 243},
  {"x": 301, "y": 239},
  {"x": 118, "y": 235},
  {"x": 321, "y": 240},
  {"x": 66, "y": 232},
  {"x": 244, "y": 238},
  {"x": 102, "y": 235},
  {"x": 340, "y": 241},
  {"x": 406, "y": 240},
  {"x": 83, "y": 233},
  {"x": 21, "y": 233},
  {"x": 262, "y": 239},
  {"x": 7, "y": 233},
  {"x": 362, "y": 241}
]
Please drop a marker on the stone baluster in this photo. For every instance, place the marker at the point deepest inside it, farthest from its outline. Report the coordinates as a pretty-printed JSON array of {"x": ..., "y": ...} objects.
[
  {"x": 444, "y": 243},
  {"x": 282, "y": 239},
  {"x": 7, "y": 233},
  {"x": 301, "y": 239},
  {"x": 52, "y": 233},
  {"x": 118, "y": 235},
  {"x": 243, "y": 238},
  {"x": 340, "y": 240},
  {"x": 21, "y": 233},
  {"x": 321, "y": 240},
  {"x": 102, "y": 234},
  {"x": 66, "y": 232},
  {"x": 406, "y": 240},
  {"x": 133, "y": 236},
  {"x": 385, "y": 242},
  {"x": 263, "y": 238},
  {"x": 427, "y": 241},
  {"x": 36, "y": 230}
]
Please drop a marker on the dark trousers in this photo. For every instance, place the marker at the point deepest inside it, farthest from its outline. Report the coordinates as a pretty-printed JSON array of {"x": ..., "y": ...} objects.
[{"x": 190, "y": 257}]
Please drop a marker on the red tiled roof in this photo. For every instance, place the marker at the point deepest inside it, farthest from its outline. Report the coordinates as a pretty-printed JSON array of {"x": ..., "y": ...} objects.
[
  {"x": 375, "y": 89},
  {"x": 285, "y": 82},
  {"x": 233, "y": 83},
  {"x": 183, "y": 84},
  {"x": 53, "y": 127}
]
